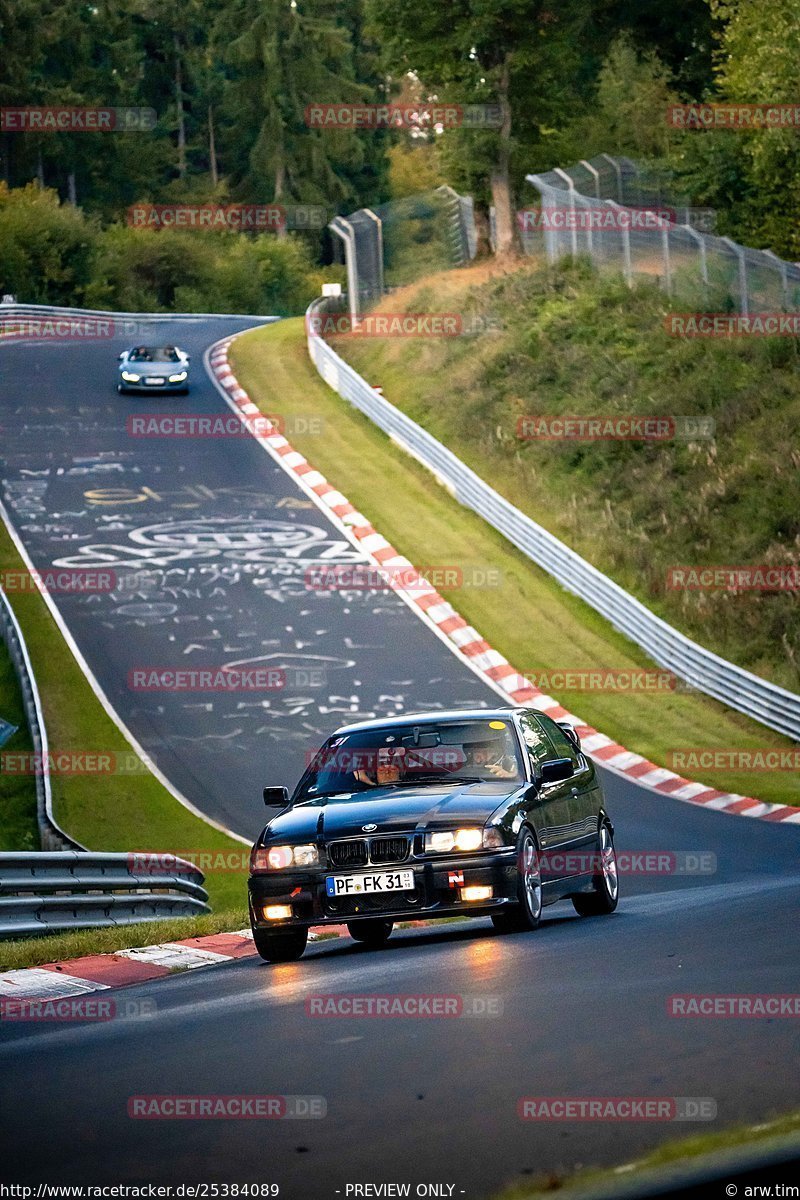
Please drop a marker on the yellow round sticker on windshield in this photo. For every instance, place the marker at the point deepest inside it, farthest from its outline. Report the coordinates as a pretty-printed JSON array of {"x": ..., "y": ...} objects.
[{"x": 497, "y": 724}]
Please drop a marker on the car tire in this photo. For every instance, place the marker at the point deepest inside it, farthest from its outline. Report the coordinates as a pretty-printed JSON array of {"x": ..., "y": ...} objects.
[
  {"x": 370, "y": 932},
  {"x": 527, "y": 912},
  {"x": 285, "y": 945},
  {"x": 605, "y": 895}
]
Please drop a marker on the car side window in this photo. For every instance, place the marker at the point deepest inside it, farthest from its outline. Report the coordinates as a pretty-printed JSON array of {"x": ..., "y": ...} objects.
[
  {"x": 563, "y": 746},
  {"x": 536, "y": 744}
]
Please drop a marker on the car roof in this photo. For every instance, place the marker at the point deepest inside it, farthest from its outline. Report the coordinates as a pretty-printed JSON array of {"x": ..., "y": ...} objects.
[{"x": 429, "y": 718}]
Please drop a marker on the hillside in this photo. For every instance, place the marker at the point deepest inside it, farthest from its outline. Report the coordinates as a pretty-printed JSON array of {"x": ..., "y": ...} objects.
[{"x": 572, "y": 343}]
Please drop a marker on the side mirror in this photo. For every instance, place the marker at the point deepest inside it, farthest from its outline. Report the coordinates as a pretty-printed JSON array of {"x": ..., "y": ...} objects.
[
  {"x": 275, "y": 797},
  {"x": 120, "y": 356},
  {"x": 555, "y": 770},
  {"x": 571, "y": 733}
]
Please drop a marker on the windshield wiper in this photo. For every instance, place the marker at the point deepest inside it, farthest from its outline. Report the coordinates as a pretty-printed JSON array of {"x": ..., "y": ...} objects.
[{"x": 432, "y": 779}]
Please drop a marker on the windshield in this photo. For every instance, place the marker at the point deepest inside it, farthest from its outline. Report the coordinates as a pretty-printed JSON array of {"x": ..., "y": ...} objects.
[
  {"x": 157, "y": 354},
  {"x": 406, "y": 755}
]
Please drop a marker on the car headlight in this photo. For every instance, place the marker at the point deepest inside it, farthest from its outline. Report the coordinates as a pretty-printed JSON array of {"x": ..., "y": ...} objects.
[
  {"x": 278, "y": 858},
  {"x": 454, "y": 839},
  {"x": 130, "y": 378},
  {"x": 178, "y": 378}
]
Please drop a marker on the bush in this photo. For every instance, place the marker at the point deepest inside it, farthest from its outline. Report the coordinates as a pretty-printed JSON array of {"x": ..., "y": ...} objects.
[
  {"x": 50, "y": 253},
  {"x": 182, "y": 271},
  {"x": 45, "y": 247}
]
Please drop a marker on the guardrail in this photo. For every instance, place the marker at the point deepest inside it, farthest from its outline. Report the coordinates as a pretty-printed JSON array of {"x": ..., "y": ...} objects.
[
  {"x": 11, "y": 308},
  {"x": 765, "y": 702},
  {"x": 54, "y": 892},
  {"x": 51, "y": 835}
]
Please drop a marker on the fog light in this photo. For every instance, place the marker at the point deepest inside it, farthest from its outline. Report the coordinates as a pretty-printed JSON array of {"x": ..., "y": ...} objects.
[
  {"x": 277, "y": 912},
  {"x": 477, "y": 893}
]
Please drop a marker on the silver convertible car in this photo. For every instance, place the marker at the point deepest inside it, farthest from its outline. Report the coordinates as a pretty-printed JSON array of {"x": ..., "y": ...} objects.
[{"x": 154, "y": 369}]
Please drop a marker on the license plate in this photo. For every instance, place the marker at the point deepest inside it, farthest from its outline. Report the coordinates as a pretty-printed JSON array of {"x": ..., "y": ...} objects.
[
  {"x": 154, "y": 379},
  {"x": 381, "y": 881}
]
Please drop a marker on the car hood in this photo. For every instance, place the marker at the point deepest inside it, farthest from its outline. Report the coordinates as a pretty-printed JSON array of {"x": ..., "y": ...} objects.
[{"x": 392, "y": 810}]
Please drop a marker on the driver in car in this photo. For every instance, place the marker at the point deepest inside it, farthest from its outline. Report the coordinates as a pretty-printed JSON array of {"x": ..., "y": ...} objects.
[
  {"x": 492, "y": 757},
  {"x": 388, "y": 768}
]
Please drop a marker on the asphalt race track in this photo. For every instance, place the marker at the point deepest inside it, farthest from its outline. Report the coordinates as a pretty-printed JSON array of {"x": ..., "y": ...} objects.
[
  {"x": 211, "y": 544},
  {"x": 220, "y": 538}
]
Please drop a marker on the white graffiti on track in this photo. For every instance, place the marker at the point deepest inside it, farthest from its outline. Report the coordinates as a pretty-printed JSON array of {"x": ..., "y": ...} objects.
[{"x": 232, "y": 539}]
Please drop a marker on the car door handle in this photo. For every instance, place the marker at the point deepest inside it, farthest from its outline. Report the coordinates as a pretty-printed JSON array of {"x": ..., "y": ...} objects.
[{"x": 575, "y": 792}]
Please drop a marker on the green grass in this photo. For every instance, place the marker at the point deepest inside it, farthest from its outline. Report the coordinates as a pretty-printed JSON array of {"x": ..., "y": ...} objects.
[
  {"x": 573, "y": 342},
  {"x": 528, "y": 617},
  {"x": 681, "y": 1152},
  {"x": 121, "y": 812},
  {"x": 18, "y": 828},
  {"x": 32, "y": 952}
]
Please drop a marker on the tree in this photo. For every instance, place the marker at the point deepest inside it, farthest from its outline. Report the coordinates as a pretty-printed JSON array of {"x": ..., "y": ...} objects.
[
  {"x": 522, "y": 56},
  {"x": 282, "y": 56}
]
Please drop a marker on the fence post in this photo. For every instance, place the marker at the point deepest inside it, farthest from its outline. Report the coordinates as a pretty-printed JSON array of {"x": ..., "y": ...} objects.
[
  {"x": 744, "y": 304},
  {"x": 550, "y": 236},
  {"x": 379, "y": 231},
  {"x": 345, "y": 231},
  {"x": 667, "y": 260},
  {"x": 593, "y": 171},
  {"x": 618, "y": 173},
  {"x": 571, "y": 194},
  {"x": 784, "y": 274},
  {"x": 627, "y": 268},
  {"x": 701, "y": 246}
]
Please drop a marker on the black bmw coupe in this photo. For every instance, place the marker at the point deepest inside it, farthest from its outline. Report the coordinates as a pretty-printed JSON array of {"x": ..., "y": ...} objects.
[{"x": 491, "y": 812}]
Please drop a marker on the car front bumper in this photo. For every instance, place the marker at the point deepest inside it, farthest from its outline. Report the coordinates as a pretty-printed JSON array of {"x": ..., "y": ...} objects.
[
  {"x": 437, "y": 891},
  {"x": 143, "y": 387}
]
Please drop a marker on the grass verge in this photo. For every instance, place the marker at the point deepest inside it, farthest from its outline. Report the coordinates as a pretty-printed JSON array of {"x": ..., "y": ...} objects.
[
  {"x": 573, "y": 342},
  {"x": 33, "y": 952},
  {"x": 526, "y": 616},
  {"x": 18, "y": 828},
  {"x": 684, "y": 1152}
]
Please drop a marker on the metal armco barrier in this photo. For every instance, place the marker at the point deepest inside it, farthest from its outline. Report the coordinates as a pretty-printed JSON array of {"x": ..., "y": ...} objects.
[
  {"x": 54, "y": 892},
  {"x": 51, "y": 835},
  {"x": 10, "y": 310},
  {"x": 765, "y": 702}
]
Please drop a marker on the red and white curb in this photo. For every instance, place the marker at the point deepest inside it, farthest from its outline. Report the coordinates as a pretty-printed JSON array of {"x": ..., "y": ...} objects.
[
  {"x": 103, "y": 972},
  {"x": 465, "y": 641}
]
